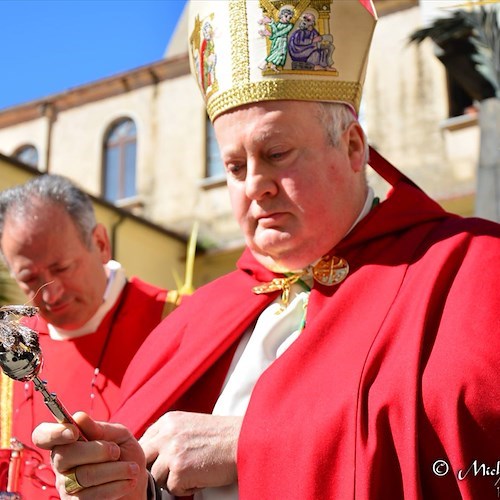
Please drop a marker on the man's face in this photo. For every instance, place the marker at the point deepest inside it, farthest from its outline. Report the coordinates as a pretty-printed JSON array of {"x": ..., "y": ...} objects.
[
  {"x": 307, "y": 22},
  {"x": 54, "y": 268},
  {"x": 294, "y": 195}
]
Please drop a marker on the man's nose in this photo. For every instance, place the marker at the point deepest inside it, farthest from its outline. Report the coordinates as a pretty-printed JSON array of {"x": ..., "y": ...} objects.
[
  {"x": 259, "y": 183},
  {"x": 51, "y": 291}
]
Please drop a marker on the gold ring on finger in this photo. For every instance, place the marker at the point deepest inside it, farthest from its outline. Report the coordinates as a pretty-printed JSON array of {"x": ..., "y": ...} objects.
[{"x": 71, "y": 484}]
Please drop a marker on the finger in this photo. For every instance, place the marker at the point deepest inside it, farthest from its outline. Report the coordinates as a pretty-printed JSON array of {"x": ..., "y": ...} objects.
[
  {"x": 99, "y": 474},
  {"x": 107, "y": 480},
  {"x": 179, "y": 487},
  {"x": 150, "y": 442},
  {"x": 68, "y": 456},
  {"x": 48, "y": 435},
  {"x": 111, "y": 491},
  {"x": 160, "y": 470},
  {"x": 106, "y": 431},
  {"x": 90, "y": 428},
  {"x": 153, "y": 436}
]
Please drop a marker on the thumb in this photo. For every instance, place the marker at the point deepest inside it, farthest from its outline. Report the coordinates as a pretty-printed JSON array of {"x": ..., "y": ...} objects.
[{"x": 87, "y": 429}]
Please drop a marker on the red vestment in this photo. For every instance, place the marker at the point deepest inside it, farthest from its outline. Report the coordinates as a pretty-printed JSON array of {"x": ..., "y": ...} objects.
[
  {"x": 391, "y": 391},
  {"x": 69, "y": 370}
]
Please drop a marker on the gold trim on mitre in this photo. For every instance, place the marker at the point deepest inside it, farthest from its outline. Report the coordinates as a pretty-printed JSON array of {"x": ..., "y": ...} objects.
[
  {"x": 245, "y": 51},
  {"x": 274, "y": 90}
]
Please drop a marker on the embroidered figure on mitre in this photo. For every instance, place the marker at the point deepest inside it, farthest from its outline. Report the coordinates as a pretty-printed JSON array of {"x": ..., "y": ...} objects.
[
  {"x": 308, "y": 48},
  {"x": 298, "y": 37},
  {"x": 277, "y": 32},
  {"x": 202, "y": 47}
]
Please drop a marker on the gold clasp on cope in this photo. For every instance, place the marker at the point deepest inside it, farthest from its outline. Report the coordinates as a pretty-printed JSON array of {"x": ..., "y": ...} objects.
[
  {"x": 283, "y": 284},
  {"x": 329, "y": 271}
]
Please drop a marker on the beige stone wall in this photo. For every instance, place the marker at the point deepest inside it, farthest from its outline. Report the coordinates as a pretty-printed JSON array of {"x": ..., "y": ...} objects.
[
  {"x": 180, "y": 194},
  {"x": 215, "y": 264},
  {"x": 179, "y": 155},
  {"x": 84, "y": 129},
  {"x": 405, "y": 109},
  {"x": 142, "y": 249},
  {"x": 34, "y": 132}
]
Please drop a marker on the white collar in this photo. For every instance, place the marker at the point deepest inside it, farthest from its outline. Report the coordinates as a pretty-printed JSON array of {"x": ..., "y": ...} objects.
[{"x": 365, "y": 210}]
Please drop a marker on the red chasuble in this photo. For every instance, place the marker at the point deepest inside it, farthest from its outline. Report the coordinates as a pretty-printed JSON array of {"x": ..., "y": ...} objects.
[
  {"x": 391, "y": 391},
  {"x": 69, "y": 370}
]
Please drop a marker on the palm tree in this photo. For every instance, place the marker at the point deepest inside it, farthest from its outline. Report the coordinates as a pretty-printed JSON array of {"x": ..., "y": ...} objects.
[
  {"x": 3, "y": 292},
  {"x": 468, "y": 44},
  {"x": 5, "y": 286}
]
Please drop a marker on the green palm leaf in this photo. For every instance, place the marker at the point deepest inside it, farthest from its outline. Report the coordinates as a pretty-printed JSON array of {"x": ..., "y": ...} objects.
[{"x": 468, "y": 44}]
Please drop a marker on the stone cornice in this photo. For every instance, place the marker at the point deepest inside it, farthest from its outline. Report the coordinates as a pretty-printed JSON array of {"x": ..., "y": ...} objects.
[{"x": 118, "y": 84}]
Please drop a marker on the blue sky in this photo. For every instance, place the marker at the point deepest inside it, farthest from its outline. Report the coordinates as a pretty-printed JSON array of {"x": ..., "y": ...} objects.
[{"x": 49, "y": 46}]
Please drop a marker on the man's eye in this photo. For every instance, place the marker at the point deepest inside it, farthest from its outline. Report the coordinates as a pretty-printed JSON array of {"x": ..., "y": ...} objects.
[
  {"x": 234, "y": 169},
  {"x": 278, "y": 155},
  {"x": 62, "y": 269}
]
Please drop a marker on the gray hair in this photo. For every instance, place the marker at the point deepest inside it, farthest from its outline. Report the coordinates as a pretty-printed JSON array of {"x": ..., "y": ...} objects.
[
  {"x": 20, "y": 202},
  {"x": 336, "y": 117}
]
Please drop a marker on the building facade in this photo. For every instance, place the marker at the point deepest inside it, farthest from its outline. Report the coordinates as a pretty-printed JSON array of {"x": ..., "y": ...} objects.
[{"x": 141, "y": 140}]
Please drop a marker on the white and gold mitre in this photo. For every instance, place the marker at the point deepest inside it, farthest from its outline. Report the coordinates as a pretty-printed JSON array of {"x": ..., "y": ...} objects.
[{"x": 244, "y": 51}]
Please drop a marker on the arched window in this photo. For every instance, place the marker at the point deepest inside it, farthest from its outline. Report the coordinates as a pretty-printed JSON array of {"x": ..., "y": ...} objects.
[
  {"x": 215, "y": 168},
  {"x": 27, "y": 154},
  {"x": 120, "y": 159}
]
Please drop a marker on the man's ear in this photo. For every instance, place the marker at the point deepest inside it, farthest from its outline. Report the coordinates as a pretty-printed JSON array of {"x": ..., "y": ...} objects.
[
  {"x": 356, "y": 142},
  {"x": 101, "y": 241}
]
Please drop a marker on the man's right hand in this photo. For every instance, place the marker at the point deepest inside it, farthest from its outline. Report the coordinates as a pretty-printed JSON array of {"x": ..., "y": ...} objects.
[{"x": 110, "y": 465}]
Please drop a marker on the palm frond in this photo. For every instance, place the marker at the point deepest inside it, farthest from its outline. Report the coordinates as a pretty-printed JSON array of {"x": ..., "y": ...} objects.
[
  {"x": 5, "y": 285},
  {"x": 473, "y": 36}
]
